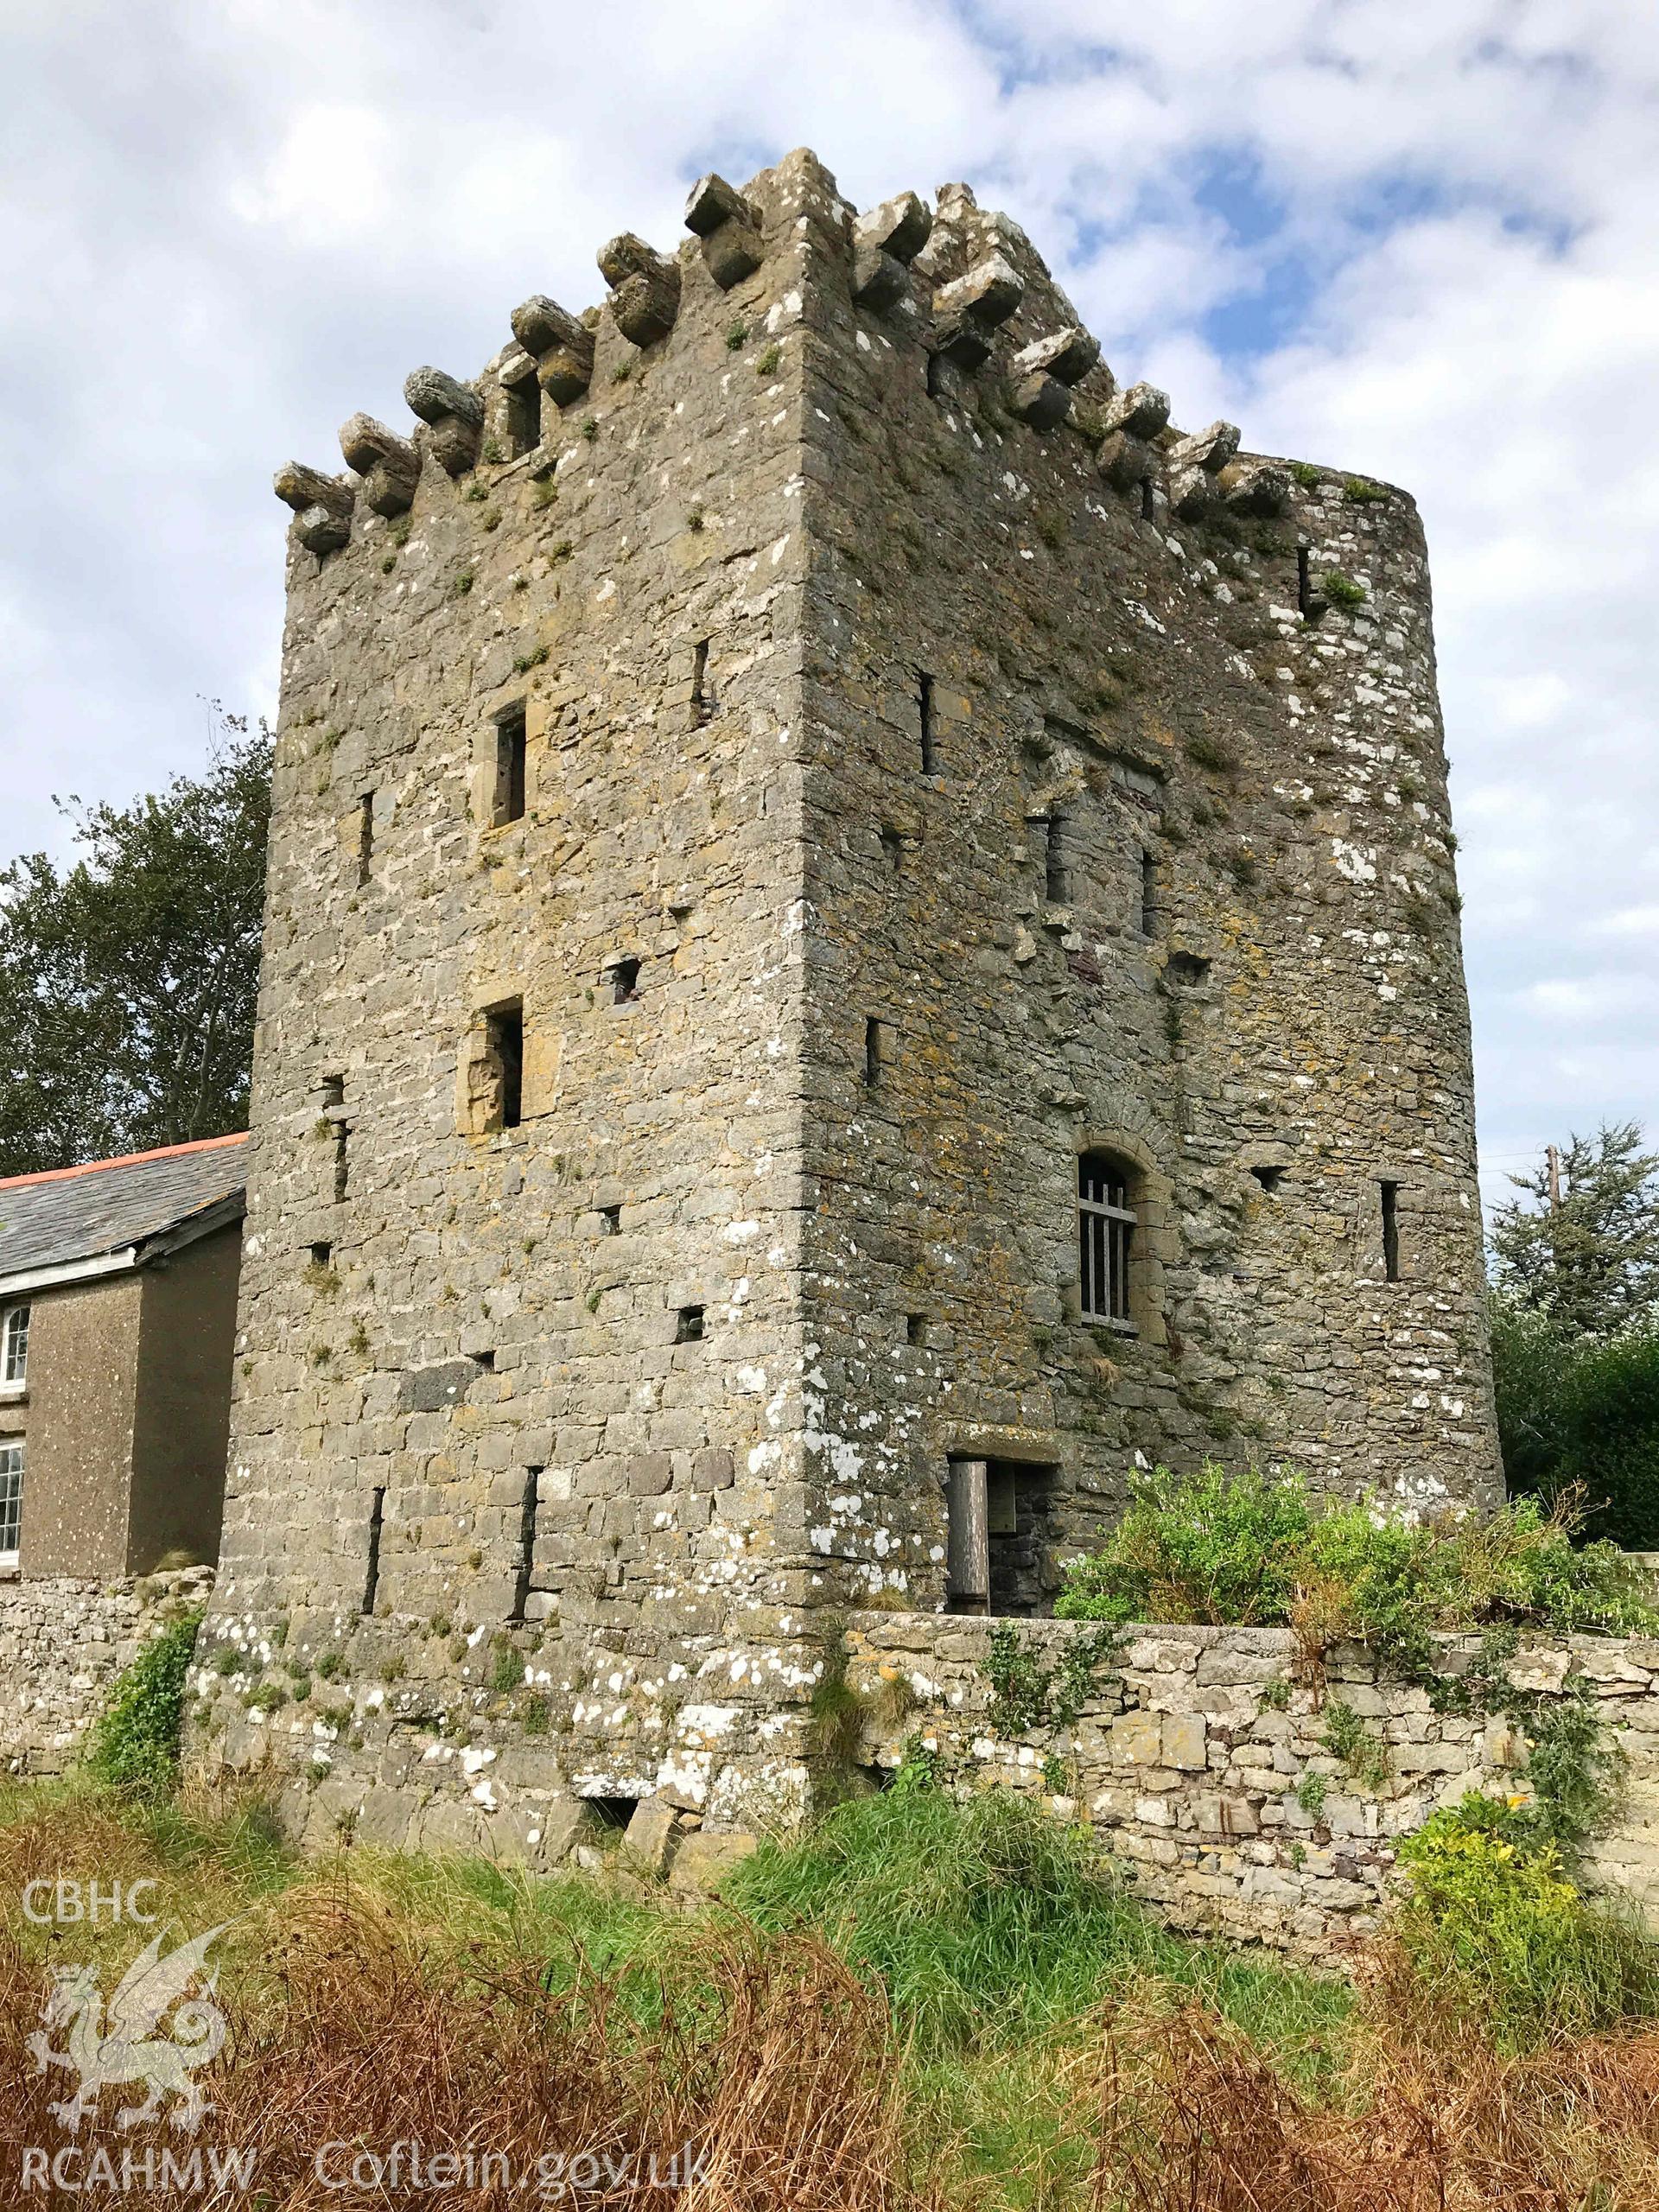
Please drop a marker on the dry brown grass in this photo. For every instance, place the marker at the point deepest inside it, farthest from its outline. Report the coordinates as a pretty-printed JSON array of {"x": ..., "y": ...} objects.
[
  {"x": 374, "y": 2001},
  {"x": 1192, "y": 2119},
  {"x": 772, "y": 2061}
]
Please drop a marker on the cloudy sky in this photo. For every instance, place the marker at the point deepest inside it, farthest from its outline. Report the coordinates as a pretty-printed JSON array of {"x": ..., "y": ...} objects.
[{"x": 1413, "y": 238}]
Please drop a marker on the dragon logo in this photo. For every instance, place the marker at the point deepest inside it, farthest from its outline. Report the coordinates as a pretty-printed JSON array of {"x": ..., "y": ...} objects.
[{"x": 126, "y": 2048}]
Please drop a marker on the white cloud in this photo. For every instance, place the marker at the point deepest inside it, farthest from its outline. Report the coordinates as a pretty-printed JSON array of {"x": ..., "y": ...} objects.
[
  {"x": 330, "y": 180},
  {"x": 1630, "y": 921},
  {"x": 229, "y": 228}
]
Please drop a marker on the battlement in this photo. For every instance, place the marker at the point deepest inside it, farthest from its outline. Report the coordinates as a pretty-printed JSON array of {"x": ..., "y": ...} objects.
[{"x": 960, "y": 294}]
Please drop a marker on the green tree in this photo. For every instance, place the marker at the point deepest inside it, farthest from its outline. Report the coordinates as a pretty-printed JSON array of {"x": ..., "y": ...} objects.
[
  {"x": 1589, "y": 1263},
  {"x": 1581, "y": 1413},
  {"x": 128, "y": 977}
]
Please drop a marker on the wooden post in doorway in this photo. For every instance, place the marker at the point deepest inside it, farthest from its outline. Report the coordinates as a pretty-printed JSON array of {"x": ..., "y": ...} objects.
[{"x": 968, "y": 1552}]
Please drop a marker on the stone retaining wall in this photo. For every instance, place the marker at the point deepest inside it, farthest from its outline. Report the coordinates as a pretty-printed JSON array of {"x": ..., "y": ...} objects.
[
  {"x": 1190, "y": 1756},
  {"x": 62, "y": 1643}
]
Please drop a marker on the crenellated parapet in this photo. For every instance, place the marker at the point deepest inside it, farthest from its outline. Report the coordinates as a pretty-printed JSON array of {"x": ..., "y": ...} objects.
[{"x": 957, "y": 290}]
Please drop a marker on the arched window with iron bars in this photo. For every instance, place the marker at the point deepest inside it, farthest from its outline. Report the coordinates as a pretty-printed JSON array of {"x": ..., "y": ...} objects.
[{"x": 1106, "y": 1226}]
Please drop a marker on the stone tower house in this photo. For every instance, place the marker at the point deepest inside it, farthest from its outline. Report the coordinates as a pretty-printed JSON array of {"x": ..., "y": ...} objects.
[{"x": 861, "y": 939}]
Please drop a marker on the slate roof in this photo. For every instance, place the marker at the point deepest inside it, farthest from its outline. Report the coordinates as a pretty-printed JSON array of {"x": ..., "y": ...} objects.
[{"x": 80, "y": 1213}]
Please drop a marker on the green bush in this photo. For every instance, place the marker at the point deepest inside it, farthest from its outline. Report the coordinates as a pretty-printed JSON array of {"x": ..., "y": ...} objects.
[
  {"x": 1212, "y": 1548},
  {"x": 1258, "y": 1549},
  {"x": 1342, "y": 590},
  {"x": 1494, "y": 1929},
  {"x": 135, "y": 1744},
  {"x": 1581, "y": 1413}
]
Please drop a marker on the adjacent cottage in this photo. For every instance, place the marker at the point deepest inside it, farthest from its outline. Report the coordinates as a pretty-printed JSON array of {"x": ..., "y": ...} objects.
[{"x": 117, "y": 1314}]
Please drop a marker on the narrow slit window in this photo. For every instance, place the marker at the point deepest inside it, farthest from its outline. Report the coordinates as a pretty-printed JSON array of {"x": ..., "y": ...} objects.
[
  {"x": 625, "y": 981},
  {"x": 610, "y": 1221},
  {"x": 1148, "y": 500},
  {"x": 1304, "y": 586},
  {"x": 893, "y": 848},
  {"x": 1055, "y": 881},
  {"x": 873, "y": 1052},
  {"x": 1148, "y": 894},
  {"x": 371, "y": 1572},
  {"x": 688, "y": 1325},
  {"x": 524, "y": 417},
  {"x": 925, "y": 700},
  {"x": 322, "y": 1255},
  {"x": 505, "y": 1028},
  {"x": 510, "y": 753},
  {"x": 1268, "y": 1176},
  {"x": 1106, "y": 1226},
  {"x": 524, "y": 1564},
  {"x": 934, "y": 376},
  {"x": 1390, "y": 1193},
  {"x": 334, "y": 1111},
  {"x": 14, "y": 1349},
  {"x": 365, "y": 837},
  {"x": 702, "y": 704},
  {"x": 915, "y": 1328}
]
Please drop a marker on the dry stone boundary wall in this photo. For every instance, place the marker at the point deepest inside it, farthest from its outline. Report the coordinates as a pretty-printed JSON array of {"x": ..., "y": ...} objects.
[
  {"x": 1190, "y": 1759},
  {"x": 62, "y": 1644}
]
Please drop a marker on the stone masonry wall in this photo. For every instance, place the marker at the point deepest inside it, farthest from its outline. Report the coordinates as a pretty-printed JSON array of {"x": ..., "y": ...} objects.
[
  {"x": 62, "y": 1643},
  {"x": 1237, "y": 969},
  {"x": 518, "y": 1440},
  {"x": 1189, "y": 1760},
  {"x": 601, "y": 796}
]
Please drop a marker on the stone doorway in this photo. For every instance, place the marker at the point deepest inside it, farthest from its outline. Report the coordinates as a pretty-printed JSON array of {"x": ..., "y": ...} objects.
[{"x": 1001, "y": 1550}]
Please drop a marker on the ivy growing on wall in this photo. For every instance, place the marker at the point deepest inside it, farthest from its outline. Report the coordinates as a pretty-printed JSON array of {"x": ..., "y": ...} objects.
[{"x": 135, "y": 1744}]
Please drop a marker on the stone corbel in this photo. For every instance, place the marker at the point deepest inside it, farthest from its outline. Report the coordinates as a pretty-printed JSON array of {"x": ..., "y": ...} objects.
[
  {"x": 454, "y": 414},
  {"x": 968, "y": 311},
  {"x": 1255, "y": 487},
  {"x": 1040, "y": 391},
  {"x": 561, "y": 346},
  {"x": 729, "y": 229},
  {"x": 389, "y": 465},
  {"x": 1194, "y": 464},
  {"x": 886, "y": 240},
  {"x": 645, "y": 288},
  {"x": 322, "y": 506}
]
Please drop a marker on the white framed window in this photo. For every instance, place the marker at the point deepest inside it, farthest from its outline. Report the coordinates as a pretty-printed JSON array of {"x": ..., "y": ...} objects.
[
  {"x": 14, "y": 1349},
  {"x": 11, "y": 1498}
]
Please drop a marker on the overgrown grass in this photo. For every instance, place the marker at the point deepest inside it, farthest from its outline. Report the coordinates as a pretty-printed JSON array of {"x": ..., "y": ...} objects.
[
  {"x": 992, "y": 1923},
  {"x": 920, "y": 2007}
]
